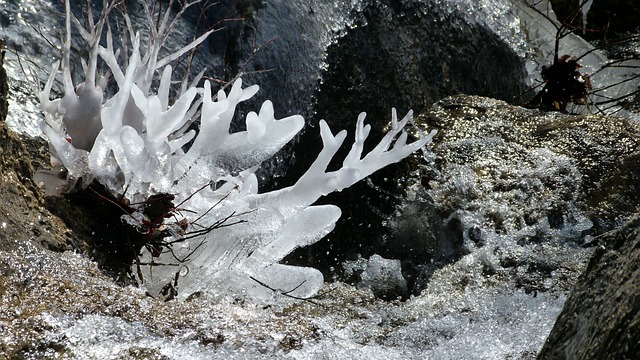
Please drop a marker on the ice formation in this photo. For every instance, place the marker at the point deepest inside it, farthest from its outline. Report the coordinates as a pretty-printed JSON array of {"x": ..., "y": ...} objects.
[
  {"x": 227, "y": 237},
  {"x": 586, "y": 6}
]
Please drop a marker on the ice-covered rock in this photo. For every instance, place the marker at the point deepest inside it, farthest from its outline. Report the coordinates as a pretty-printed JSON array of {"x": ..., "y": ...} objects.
[{"x": 384, "y": 278}]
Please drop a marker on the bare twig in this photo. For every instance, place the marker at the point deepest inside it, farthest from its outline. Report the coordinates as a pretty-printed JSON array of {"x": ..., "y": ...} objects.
[{"x": 287, "y": 293}]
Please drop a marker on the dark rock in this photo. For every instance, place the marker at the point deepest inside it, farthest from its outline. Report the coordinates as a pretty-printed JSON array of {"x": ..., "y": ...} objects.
[
  {"x": 418, "y": 235},
  {"x": 408, "y": 55},
  {"x": 517, "y": 178},
  {"x": 601, "y": 318},
  {"x": 475, "y": 234}
]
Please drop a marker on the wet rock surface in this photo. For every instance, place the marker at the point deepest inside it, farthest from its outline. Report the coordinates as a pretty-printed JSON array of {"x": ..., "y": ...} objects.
[
  {"x": 545, "y": 166},
  {"x": 4, "y": 85},
  {"x": 601, "y": 318},
  {"x": 51, "y": 300}
]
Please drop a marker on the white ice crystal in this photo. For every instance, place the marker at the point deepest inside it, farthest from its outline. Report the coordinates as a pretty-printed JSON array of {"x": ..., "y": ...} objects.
[{"x": 134, "y": 144}]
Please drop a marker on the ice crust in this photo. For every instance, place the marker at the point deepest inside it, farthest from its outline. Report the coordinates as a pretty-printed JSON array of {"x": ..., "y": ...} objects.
[{"x": 132, "y": 142}]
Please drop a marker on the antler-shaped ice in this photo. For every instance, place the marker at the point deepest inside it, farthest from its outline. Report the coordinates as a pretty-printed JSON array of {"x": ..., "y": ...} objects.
[
  {"x": 134, "y": 140},
  {"x": 287, "y": 220},
  {"x": 317, "y": 182}
]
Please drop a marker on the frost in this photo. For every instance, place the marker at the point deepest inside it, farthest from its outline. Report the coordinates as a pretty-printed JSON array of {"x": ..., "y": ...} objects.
[{"x": 224, "y": 236}]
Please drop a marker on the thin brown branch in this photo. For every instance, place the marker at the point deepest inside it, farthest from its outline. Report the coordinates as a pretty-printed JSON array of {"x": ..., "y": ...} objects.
[{"x": 287, "y": 293}]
